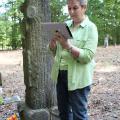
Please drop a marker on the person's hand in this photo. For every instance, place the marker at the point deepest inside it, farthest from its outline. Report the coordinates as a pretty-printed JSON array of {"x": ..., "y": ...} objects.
[
  {"x": 52, "y": 43},
  {"x": 62, "y": 40},
  {"x": 65, "y": 44}
]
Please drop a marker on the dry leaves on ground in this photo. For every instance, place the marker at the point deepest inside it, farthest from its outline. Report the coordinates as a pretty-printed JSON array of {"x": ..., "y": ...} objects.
[{"x": 105, "y": 94}]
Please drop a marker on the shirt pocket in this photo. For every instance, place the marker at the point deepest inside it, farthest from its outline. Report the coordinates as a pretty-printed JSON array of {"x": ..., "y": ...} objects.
[{"x": 80, "y": 43}]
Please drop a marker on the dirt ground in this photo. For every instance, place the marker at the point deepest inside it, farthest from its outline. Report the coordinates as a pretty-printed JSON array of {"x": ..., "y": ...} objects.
[{"x": 104, "y": 102}]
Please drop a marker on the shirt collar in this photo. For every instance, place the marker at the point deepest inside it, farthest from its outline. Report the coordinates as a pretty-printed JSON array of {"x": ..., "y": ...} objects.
[{"x": 82, "y": 24}]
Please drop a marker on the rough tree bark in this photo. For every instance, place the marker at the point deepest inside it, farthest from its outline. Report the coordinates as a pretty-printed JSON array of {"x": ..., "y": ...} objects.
[{"x": 36, "y": 59}]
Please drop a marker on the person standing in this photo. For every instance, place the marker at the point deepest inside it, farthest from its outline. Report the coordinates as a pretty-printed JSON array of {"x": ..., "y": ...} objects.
[
  {"x": 106, "y": 41},
  {"x": 74, "y": 62}
]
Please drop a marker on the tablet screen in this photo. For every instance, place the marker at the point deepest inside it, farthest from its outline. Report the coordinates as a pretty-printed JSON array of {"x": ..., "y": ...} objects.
[{"x": 50, "y": 28}]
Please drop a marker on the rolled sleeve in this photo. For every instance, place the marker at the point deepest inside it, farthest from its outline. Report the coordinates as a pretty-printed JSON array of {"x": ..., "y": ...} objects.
[{"x": 89, "y": 49}]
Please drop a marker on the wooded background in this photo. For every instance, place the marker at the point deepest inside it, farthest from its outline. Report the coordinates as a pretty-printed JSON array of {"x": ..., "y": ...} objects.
[{"x": 104, "y": 13}]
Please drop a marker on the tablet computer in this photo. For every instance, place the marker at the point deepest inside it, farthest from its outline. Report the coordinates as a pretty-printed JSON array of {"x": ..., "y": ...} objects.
[{"x": 51, "y": 27}]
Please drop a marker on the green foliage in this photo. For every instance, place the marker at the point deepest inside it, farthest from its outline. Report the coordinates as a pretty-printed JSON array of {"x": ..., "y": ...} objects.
[
  {"x": 4, "y": 31},
  {"x": 57, "y": 10},
  {"x": 10, "y": 34},
  {"x": 107, "y": 18}
]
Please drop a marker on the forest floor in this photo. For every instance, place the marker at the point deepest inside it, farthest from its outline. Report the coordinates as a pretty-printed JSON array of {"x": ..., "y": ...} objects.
[{"x": 104, "y": 102}]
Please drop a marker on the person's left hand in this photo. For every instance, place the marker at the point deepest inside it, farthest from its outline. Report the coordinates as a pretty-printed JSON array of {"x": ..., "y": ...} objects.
[
  {"x": 65, "y": 43},
  {"x": 62, "y": 40}
]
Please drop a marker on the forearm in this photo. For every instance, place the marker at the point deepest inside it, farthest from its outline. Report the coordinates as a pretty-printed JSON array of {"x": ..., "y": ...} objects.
[
  {"x": 74, "y": 51},
  {"x": 82, "y": 55}
]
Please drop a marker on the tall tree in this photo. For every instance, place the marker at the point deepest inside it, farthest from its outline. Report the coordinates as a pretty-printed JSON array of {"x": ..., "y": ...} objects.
[
  {"x": 36, "y": 59},
  {"x": 15, "y": 16}
]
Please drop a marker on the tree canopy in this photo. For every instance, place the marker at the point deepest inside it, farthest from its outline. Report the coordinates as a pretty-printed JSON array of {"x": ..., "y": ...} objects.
[
  {"x": 10, "y": 34},
  {"x": 106, "y": 15}
]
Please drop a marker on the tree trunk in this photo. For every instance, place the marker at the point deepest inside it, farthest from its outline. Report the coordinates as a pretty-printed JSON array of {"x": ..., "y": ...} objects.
[{"x": 36, "y": 59}]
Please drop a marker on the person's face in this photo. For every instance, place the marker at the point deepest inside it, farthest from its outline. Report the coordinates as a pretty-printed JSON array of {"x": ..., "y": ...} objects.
[{"x": 76, "y": 11}]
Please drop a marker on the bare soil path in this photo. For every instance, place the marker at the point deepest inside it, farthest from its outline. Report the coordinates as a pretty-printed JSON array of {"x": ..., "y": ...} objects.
[{"x": 105, "y": 95}]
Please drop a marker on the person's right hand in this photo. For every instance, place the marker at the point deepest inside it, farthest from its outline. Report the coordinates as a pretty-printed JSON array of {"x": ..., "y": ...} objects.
[{"x": 52, "y": 43}]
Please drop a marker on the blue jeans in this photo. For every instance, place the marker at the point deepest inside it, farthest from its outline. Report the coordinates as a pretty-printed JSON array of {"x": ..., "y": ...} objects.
[{"x": 72, "y": 105}]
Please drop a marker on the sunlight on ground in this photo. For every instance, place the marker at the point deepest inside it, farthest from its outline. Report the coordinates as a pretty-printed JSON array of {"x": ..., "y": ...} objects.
[
  {"x": 9, "y": 61},
  {"x": 106, "y": 68},
  {"x": 11, "y": 57}
]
